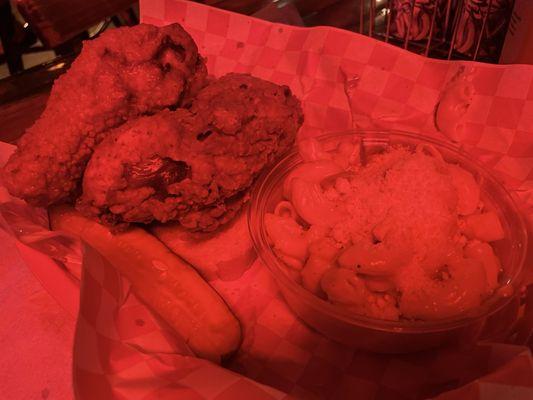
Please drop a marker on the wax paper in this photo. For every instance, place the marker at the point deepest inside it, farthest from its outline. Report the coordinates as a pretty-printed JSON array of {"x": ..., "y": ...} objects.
[{"x": 345, "y": 80}]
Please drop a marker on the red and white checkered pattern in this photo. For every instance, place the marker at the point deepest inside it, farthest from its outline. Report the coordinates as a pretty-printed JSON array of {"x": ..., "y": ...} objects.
[
  {"x": 123, "y": 352},
  {"x": 345, "y": 80},
  {"x": 393, "y": 88}
]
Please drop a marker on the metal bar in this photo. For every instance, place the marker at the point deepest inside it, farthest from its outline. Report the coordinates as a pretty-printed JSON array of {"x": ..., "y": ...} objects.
[
  {"x": 372, "y": 18},
  {"x": 430, "y": 35},
  {"x": 455, "y": 25},
  {"x": 408, "y": 32},
  {"x": 389, "y": 12},
  {"x": 447, "y": 18},
  {"x": 483, "y": 26},
  {"x": 361, "y": 15}
]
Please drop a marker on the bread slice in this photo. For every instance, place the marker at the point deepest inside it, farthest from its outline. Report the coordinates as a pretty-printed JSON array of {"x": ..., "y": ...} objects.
[{"x": 225, "y": 254}]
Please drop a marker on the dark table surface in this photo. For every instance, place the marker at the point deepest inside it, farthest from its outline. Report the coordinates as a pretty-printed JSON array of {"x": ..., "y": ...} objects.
[
  {"x": 16, "y": 116},
  {"x": 23, "y": 96}
]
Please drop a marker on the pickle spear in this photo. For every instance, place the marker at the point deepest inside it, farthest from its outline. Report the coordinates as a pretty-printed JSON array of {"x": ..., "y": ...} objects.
[{"x": 163, "y": 281}]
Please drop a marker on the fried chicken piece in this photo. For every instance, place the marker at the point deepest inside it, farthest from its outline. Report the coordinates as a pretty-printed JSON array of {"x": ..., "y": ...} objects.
[
  {"x": 125, "y": 73},
  {"x": 193, "y": 165}
]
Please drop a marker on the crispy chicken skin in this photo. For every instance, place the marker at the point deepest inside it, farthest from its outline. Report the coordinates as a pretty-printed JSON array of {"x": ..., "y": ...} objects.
[
  {"x": 125, "y": 73},
  {"x": 193, "y": 165}
]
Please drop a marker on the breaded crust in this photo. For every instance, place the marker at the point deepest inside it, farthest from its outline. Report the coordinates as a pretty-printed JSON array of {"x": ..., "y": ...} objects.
[
  {"x": 125, "y": 73},
  {"x": 193, "y": 166}
]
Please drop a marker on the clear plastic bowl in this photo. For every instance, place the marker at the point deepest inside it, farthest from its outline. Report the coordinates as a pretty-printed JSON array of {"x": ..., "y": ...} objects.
[{"x": 490, "y": 321}]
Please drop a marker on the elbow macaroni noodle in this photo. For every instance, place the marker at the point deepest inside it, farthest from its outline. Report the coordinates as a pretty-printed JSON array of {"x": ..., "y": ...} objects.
[{"x": 403, "y": 234}]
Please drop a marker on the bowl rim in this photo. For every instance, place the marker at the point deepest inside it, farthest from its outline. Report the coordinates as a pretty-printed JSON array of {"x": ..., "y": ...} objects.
[{"x": 267, "y": 256}]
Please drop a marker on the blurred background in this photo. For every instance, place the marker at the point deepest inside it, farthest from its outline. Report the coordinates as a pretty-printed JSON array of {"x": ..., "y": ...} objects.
[{"x": 34, "y": 32}]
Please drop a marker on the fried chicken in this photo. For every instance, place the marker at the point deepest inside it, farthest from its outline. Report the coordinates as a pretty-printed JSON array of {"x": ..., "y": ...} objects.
[
  {"x": 125, "y": 73},
  {"x": 193, "y": 166}
]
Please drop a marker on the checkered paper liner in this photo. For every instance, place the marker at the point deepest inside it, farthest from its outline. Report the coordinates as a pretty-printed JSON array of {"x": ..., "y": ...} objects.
[
  {"x": 121, "y": 351},
  {"x": 345, "y": 80},
  {"x": 348, "y": 80}
]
